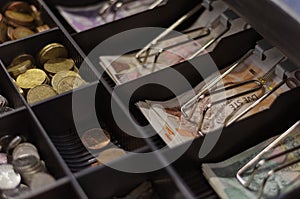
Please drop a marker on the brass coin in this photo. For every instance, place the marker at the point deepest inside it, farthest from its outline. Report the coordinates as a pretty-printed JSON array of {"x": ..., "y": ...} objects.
[
  {"x": 58, "y": 64},
  {"x": 110, "y": 155},
  {"x": 18, "y": 17},
  {"x": 59, "y": 76},
  {"x": 22, "y": 32},
  {"x": 52, "y": 51},
  {"x": 36, "y": 15},
  {"x": 42, "y": 28},
  {"x": 21, "y": 58},
  {"x": 19, "y": 6},
  {"x": 40, "y": 93},
  {"x": 95, "y": 138},
  {"x": 20, "y": 68},
  {"x": 10, "y": 31},
  {"x": 69, "y": 83},
  {"x": 31, "y": 78}
]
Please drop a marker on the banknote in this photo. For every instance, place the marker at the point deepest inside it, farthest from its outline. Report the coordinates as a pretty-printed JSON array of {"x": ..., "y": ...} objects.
[
  {"x": 222, "y": 176},
  {"x": 87, "y": 17},
  {"x": 175, "y": 50},
  {"x": 213, "y": 111}
]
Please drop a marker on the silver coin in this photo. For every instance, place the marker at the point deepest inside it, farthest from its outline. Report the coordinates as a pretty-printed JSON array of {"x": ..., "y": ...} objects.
[
  {"x": 25, "y": 149},
  {"x": 13, "y": 193},
  {"x": 9, "y": 179},
  {"x": 3, "y": 158},
  {"x": 13, "y": 144},
  {"x": 3, "y": 101},
  {"x": 40, "y": 180}
]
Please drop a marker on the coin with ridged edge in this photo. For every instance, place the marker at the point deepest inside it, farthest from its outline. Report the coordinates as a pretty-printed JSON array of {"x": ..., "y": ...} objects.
[
  {"x": 39, "y": 93},
  {"x": 31, "y": 78},
  {"x": 60, "y": 75},
  {"x": 9, "y": 179},
  {"x": 22, "y": 32},
  {"x": 110, "y": 155},
  {"x": 69, "y": 83},
  {"x": 52, "y": 51},
  {"x": 95, "y": 138},
  {"x": 59, "y": 64}
]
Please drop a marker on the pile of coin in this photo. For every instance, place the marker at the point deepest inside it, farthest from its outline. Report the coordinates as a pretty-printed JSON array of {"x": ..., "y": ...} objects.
[
  {"x": 51, "y": 73},
  {"x": 21, "y": 168},
  {"x": 4, "y": 105},
  {"x": 19, "y": 20}
]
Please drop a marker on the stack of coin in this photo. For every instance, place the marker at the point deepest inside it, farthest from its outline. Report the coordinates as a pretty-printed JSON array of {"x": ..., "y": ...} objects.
[
  {"x": 51, "y": 73},
  {"x": 20, "y": 163},
  {"x": 19, "y": 20},
  {"x": 4, "y": 105}
]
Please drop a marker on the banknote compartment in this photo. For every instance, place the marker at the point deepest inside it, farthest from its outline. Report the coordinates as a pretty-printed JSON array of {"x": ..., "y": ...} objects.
[
  {"x": 8, "y": 90},
  {"x": 44, "y": 14},
  {"x": 41, "y": 40},
  {"x": 162, "y": 183},
  {"x": 173, "y": 9},
  {"x": 57, "y": 117}
]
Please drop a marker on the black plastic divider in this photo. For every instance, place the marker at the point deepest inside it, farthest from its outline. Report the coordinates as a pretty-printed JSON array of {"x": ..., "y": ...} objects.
[
  {"x": 44, "y": 15},
  {"x": 8, "y": 90},
  {"x": 174, "y": 9}
]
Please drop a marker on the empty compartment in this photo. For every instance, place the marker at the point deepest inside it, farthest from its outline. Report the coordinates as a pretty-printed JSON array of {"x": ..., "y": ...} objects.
[
  {"x": 9, "y": 52},
  {"x": 68, "y": 118}
]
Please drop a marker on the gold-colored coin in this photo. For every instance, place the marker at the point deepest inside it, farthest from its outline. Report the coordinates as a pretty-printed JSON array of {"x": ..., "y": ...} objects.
[
  {"x": 19, "y": 6},
  {"x": 39, "y": 93},
  {"x": 21, "y": 58},
  {"x": 31, "y": 78},
  {"x": 95, "y": 138},
  {"x": 110, "y": 155},
  {"x": 20, "y": 68},
  {"x": 10, "y": 31},
  {"x": 59, "y": 64},
  {"x": 59, "y": 76},
  {"x": 69, "y": 83},
  {"x": 22, "y": 32},
  {"x": 19, "y": 89},
  {"x": 52, "y": 51},
  {"x": 36, "y": 15},
  {"x": 18, "y": 17},
  {"x": 42, "y": 28}
]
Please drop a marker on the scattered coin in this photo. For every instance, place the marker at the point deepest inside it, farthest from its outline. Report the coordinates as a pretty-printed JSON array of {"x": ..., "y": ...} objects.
[
  {"x": 21, "y": 58},
  {"x": 52, "y": 51},
  {"x": 9, "y": 179},
  {"x": 59, "y": 64},
  {"x": 59, "y": 76},
  {"x": 110, "y": 155},
  {"x": 20, "y": 68},
  {"x": 40, "y": 180},
  {"x": 13, "y": 193},
  {"x": 31, "y": 78},
  {"x": 39, "y": 93},
  {"x": 69, "y": 83},
  {"x": 22, "y": 32},
  {"x": 95, "y": 138}
]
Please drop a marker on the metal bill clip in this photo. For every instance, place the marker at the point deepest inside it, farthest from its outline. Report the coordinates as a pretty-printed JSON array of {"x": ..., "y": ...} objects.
[
  {"x": 113, "y": 6},
  {"x": 193, "y": 102},
  {"x": 255, "y": 165}
]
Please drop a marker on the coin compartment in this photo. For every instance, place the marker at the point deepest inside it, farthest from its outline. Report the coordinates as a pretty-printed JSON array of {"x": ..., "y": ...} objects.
[
  {"x": 41, "y": 40},
  {"x": 8, "y": 90},
  {"x": 44, "y": 14},
  {"x": 57, "y": 117},
  {"x": 23, "y": 124},
  {"x": 171, "y": 11}
]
